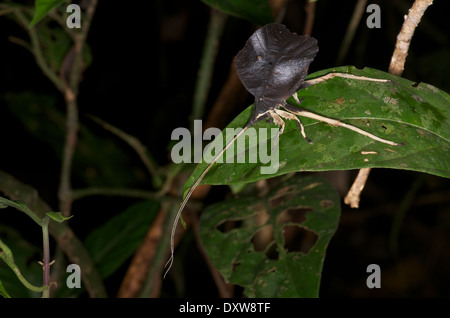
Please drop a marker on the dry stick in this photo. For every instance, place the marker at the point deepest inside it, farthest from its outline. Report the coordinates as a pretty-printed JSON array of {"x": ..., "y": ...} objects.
[
  {"x": 396, "y": 68},
  {"x": 137, "y": 271},
  {"x": 404, "y": 38}
]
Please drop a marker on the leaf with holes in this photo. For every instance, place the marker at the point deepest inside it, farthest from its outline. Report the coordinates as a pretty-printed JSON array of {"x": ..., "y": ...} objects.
[{"x": 274, "y": 246}]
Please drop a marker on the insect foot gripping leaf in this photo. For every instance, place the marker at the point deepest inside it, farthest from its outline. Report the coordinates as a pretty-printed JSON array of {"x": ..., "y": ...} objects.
[{"x": 273, "y": 246}]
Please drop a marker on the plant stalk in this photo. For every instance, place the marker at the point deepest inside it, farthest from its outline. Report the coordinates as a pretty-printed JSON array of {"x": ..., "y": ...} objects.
[{"x": 46, "y": 261}]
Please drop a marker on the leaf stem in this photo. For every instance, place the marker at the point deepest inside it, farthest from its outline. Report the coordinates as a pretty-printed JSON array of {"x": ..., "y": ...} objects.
[{"x": 6, "y": 256}]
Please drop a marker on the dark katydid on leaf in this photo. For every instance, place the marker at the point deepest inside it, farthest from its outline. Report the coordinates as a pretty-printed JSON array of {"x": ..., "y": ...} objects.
[
  {"x": 272, "y": 65},
  {"x": 273, "y": 246}
]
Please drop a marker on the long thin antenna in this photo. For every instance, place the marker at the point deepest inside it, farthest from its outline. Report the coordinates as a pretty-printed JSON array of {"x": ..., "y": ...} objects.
[{"x": 188, "y": 195}]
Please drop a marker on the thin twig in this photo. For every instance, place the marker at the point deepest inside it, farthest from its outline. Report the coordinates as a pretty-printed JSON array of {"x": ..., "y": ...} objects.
[
  {"x": 37, "y": 50},
  {"x": 310, "y": 9},
  {"x": 353, "y": 196},
  {"x": 351, "y": 30},
  {"x": 396, "y": 67},
  {"x": 21, "y": 43},
  {"x": 210, "y": 49},
  {"x": 404, "y": 37},
  {"x": 134, "y": 143}
]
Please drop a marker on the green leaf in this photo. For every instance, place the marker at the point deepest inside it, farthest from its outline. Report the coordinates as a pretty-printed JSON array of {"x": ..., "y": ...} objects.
[
  {"x": 25, "y": 258},
  {"x": 58, "y": 216},
  {"x": 3, "y": 291},
  {"x": 398, "y": 110},
  {"x": 279, "y": 244},
  {"x": 42, "y": 8},
  {"x": 257, "y": 11},
  {"x": 115, "y": 241}
]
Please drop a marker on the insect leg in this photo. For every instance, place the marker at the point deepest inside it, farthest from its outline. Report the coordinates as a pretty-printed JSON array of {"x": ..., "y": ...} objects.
[
  {"x": 328, "y": 76},
  {"x": 336, "y": 123},
  {"x": 279, "y": 122},
  {"x": 288, "y": 115},
  {"x": 299, "y": 101}
]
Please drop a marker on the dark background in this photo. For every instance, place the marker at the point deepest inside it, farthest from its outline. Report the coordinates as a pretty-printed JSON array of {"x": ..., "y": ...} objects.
[{"x": 145, "y": 60}]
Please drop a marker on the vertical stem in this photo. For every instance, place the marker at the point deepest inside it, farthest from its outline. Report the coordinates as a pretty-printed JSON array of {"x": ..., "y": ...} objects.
[
  {"x": 396, "y": 67},
  {"x": 310, "y": 9},
  {"x": 70, "y": 73},
  {"x": 72, "y": 126},
  {"x": 351, "y": 29},
  {"x": 404, "y": 37},
  {"x": 210, "y": 48},
  {"x": 46, "y": 261}
]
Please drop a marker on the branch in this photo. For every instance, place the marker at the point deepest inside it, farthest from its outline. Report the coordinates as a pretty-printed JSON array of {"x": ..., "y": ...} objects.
[
  {"x": 396, "y": 67},
  {"x": 404, "y": 37},
  {"x": 72, "y": 66},
  {"x": 136, "y": 144}
]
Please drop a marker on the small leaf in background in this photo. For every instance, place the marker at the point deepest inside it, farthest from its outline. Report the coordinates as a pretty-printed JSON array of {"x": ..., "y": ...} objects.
[
  {"x": 257, "y": 11},
  {"x": 42, "y": 8},
  {"x": 274, "y": 246},
  {"x": 398, "y": 110},
  {"x": 58, "y": 217},
  {"x": 111, "y": 244},
  {"x": 3, "y": 291},
  {"x": 98, "y": 161},
  {"x": 26, "y": 256}
]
